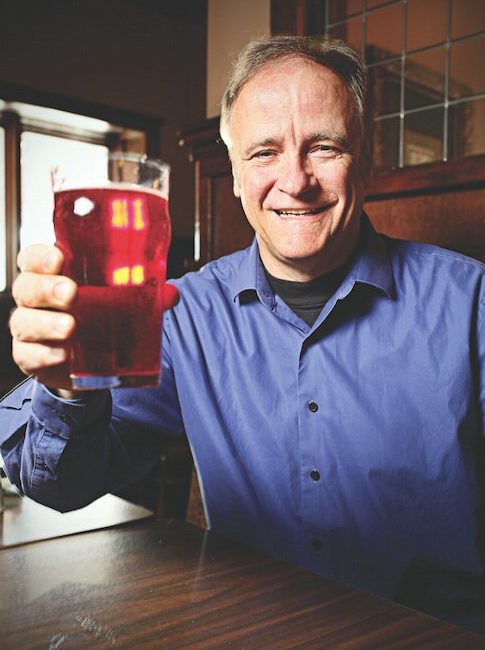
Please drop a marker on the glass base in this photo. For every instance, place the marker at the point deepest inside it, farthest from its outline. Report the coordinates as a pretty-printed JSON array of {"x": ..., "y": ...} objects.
[{"x": 99, "y": 382}]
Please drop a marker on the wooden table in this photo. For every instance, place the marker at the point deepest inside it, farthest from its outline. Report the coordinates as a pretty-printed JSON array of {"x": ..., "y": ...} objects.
[{"x": 172, "y": 585}]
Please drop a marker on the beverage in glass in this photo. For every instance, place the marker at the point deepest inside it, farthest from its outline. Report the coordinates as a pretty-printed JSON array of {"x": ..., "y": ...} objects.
[{"x": 115, "y": 238}]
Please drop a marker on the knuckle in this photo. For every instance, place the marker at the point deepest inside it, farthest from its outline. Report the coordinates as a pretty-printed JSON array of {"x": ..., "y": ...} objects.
[{"x": 14, "y": 324}]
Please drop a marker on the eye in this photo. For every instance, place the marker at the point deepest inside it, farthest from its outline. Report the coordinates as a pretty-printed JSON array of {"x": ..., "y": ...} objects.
[
  {"x": 325, "y": 150},
  {"x": 264, "y": 154}
]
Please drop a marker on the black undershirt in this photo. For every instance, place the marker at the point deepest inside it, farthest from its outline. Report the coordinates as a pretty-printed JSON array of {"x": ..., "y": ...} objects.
[{"x": 307, "y": 299}]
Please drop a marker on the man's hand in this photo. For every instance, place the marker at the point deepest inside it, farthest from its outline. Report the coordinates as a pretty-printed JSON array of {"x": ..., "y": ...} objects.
[{"x": 40, "y": 327}]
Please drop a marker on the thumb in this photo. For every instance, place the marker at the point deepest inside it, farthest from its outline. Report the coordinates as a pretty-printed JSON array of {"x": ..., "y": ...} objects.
[{"x": 171, "y": 296}]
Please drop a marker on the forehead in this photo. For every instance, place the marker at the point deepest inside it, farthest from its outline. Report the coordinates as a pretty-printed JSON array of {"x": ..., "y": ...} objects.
[{"x": 293, "y": 89}]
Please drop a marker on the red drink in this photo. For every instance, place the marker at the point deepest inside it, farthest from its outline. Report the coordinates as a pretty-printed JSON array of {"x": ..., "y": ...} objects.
[{"x": 115, "y": 242}]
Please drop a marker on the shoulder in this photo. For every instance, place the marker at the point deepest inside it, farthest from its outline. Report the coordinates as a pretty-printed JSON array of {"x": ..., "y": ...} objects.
[
  {"x": 437, "y": 273},
  {"x": 216, "y": 280},
  {"x": 431, "y": 259}
]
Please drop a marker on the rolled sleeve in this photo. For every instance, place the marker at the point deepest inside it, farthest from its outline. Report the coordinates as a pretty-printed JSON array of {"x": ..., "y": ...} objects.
[{"x": 67, "y": 418}]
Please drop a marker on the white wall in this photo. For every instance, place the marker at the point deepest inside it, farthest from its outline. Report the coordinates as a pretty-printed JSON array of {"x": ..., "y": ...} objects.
[{"x": 230, "y": 25}]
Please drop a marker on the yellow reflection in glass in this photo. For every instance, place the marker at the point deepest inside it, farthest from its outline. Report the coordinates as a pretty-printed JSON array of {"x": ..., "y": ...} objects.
[{"x": 119, "y": 213}]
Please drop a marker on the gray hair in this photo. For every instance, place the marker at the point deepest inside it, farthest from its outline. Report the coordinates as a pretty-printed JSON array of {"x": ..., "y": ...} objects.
[{"x": 335, "y": 55}]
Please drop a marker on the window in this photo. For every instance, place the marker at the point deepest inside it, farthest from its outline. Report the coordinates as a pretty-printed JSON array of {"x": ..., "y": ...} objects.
[
  {"x": 40, "y": 153},
  {"x": 3, "y": 247},
  {"x": 427, "y": 78},
  {"x": 33, "y": 138}
]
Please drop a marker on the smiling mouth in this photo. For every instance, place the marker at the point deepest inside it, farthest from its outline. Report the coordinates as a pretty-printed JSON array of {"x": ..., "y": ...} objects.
[{"x": 301, "y": 213}]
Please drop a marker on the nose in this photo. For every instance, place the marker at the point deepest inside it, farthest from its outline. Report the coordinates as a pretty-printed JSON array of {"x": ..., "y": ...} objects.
[{"x": 296, "y": 175}]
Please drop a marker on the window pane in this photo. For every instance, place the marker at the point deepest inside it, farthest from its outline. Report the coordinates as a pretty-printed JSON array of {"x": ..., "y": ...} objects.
[
  {"x": 426, "y": 23},
  {"x": 349, "y": 31},
  {"x": 383, "y": 29},
  {"x": 340, "y": 9},
  {"x": 374, "y": 3},
  {"x": 467, "y": 17},
  {"x": 423, "y": 136},
  {"x": 39, "y": 155},
  {"x": 385, "y": 85},
  {"x": 3, "y": 248},
  {"x": 386, "y": 143},
  {"x": 466, "y": 135},
  {"x": 425, "y": 79},
  {"x": 467, "y": 69}
]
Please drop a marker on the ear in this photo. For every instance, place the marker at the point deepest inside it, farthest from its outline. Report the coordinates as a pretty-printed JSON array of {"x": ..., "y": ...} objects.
[{"x": 236, "y": 188}]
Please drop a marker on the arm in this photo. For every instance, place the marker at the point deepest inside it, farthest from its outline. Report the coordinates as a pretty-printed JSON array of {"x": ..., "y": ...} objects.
[{"x": 67, "y": 452}]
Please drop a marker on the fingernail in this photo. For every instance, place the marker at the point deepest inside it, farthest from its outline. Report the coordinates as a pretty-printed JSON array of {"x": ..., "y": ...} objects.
[
  {"x": 50, "y": 261},
  {"x": 62, "y": 323},
  {"x": 58, "y": 354}
]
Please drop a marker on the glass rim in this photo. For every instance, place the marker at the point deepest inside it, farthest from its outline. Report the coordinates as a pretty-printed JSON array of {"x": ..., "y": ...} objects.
[{"x": 140, "y": 158}]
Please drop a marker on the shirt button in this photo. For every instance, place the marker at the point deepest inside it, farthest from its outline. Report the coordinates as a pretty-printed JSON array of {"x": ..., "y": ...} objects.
[
  {"x": 65, "y": 418},
  {"x": 317, "y": 544},
  {"x": 315, "y": 475},
  {"x": 313, "y": 407}
]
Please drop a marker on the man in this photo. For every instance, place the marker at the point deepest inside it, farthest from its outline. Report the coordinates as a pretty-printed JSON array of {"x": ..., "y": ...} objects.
[{"x": 330, "y": 380}]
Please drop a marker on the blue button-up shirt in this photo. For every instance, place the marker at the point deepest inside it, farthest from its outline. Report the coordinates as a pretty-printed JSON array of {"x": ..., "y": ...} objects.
[{"x": 351, "y": 447}]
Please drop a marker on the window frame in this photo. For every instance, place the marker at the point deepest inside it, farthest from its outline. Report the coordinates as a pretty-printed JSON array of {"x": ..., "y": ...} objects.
[
  {"x": 308, "y": 18},
  {"x": 14, "y": 125}
]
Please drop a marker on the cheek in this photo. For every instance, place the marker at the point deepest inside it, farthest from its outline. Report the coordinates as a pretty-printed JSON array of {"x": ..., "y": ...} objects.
[
  {"x": 341, "y": 179},
  {"x": 254, "y": 187}
]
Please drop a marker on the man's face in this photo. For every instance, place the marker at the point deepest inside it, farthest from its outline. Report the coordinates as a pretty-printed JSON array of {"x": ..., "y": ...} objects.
[{"x": 295, "y": 150}]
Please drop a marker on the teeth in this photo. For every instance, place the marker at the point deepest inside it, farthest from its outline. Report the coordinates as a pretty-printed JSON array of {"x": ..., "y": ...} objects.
[{"x": 298, "y": 213}]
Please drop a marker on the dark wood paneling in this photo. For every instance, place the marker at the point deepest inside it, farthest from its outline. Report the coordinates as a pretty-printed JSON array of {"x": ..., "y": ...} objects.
[
  {"x": 299, "y": 17},
  {"x": 453, "y": 220},
  {"x": 220, "y": 221}
]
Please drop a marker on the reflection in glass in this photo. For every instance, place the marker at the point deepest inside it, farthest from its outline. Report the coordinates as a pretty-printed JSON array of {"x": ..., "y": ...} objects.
[
  {"x": 466, "y": 135},
  {"x": 385, "y": 87},
  {"x": 340, "y": 9},
  {"x": 3, "y": 249},
  {"x": 424, "y": 82},
  {"x": 426, "y": 62},
  {"x": 423, "y": 136},
  {"x": 467, "y": 17},
  {"x": 467, "y": 66},
  {"x": 349, "y": 31},
  {"x": 426, "y": 23},
  {"x": 374, "y": 3},
  {"x": 39, "y": 154},
  {"x": 386, "y": 143},
  {"x": 383, "y": 29}
]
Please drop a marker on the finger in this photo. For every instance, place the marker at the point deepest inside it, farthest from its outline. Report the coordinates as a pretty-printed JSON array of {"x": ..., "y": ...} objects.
[
  {"x": 37, "y": 325},
  {"x": 40, "y": 258},
  {"x": 39, "y": 290},
  {"x": 34, "y": 358}
]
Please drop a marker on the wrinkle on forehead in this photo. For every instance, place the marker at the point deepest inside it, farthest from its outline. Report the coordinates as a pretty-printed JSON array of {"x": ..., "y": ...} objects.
[{"x": 298, "y": 84}]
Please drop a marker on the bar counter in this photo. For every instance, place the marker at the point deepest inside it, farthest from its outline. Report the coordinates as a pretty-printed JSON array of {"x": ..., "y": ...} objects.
[{"x": 169, "y": 584}]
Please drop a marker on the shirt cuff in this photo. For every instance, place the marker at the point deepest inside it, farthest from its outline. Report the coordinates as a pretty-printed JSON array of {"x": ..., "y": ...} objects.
[{"x": 65, "y": 417}]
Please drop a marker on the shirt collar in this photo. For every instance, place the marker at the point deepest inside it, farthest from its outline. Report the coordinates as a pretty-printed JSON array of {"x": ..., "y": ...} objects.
[{"x": 371, "y": 265}]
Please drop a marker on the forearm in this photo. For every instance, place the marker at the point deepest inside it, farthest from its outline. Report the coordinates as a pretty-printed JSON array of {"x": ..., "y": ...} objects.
[
  {"x": 65, "y": 454},
  {"x": 55, "y": 451}
]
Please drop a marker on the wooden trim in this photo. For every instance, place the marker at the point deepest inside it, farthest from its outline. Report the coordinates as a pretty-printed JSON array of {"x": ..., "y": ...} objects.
[
  {"x": 203, "y": 136},
  {"x": 460, "y": 174},
  {"x": 118, "y": 117},
  {"x": 298, "y": 17}
]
